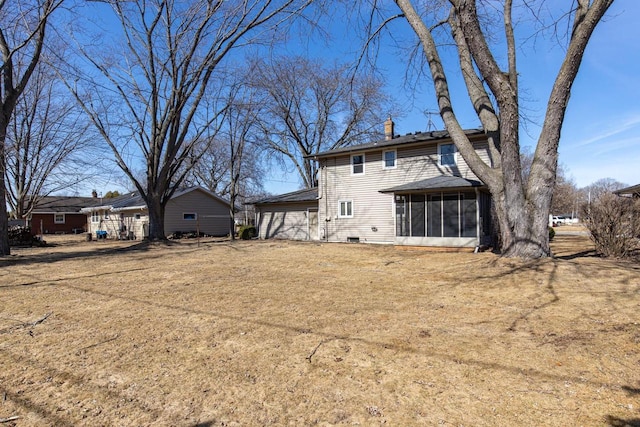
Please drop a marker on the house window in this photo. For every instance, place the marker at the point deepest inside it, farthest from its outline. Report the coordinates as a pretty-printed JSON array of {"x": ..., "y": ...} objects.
[
  {"x": 447, "y": 154},
  {"x": 95, "y": 216},
  {"x": 106, "y": 215},
  {"x": 346, "y": 209},
  {"x": 389, "y": 158},
  {"x": 190, "y": 216},
  {"x": 136, "y": 216},
  {"x": 58, "y": 218},
  {"x": 357, "y": 164}
]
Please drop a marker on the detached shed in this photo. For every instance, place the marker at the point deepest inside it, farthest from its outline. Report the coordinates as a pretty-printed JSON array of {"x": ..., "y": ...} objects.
[{"x": 292, "y": 216}]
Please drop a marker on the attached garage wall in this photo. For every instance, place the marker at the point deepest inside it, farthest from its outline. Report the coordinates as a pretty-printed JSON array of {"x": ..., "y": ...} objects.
[{"x": 286, "y": 221}]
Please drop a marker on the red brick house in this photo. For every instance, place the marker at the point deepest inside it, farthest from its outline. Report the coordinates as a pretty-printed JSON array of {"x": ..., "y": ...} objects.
[{"x": 60, "y": 215}]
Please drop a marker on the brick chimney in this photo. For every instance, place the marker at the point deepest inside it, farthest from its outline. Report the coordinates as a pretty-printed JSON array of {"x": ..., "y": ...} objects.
[{"x": 388, "y": 129}]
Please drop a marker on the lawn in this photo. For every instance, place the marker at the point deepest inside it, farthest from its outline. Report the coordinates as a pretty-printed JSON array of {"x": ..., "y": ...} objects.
[{"x": 219, "y": 333}]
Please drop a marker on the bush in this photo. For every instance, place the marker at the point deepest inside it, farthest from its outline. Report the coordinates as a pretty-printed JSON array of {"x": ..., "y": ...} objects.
[
  {"x": 614, "y": 224},
  {"x": 247, "y": 232},
  {"x": 552, "y": 233}
]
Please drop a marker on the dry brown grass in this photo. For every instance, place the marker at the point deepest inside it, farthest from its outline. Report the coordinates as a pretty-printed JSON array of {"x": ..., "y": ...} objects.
[{"x": 284, "y": 333}]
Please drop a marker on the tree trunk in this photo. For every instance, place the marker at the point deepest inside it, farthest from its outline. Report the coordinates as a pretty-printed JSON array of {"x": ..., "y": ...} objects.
[
  {"x": 156, "y": 218},
  {"x": 4, "y": 217}
]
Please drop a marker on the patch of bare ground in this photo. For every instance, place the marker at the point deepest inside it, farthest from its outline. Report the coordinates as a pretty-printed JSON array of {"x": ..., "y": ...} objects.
[{"x": 284, "y": 333}]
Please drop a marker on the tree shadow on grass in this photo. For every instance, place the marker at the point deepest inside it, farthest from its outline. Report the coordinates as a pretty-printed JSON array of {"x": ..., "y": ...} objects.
[
  {"x": 93, "y": 252},
  {"x": 619, "y": 422}
]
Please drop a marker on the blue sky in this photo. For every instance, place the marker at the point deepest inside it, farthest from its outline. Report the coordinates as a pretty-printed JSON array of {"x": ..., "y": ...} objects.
[{"x": 601, "y": 133}]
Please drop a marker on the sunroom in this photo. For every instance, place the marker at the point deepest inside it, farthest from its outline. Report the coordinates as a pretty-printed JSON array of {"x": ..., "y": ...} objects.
[{"x": 446, "y": 211}]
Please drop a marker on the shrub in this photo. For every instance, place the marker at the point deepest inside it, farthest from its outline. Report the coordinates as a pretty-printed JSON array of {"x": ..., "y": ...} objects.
[
  {"x": 614, "y": 224},
  {"x": 247, "y": 232},
  {"x": 552, "y": 233}
]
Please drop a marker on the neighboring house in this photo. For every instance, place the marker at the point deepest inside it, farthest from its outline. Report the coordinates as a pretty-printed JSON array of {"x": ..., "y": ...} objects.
[
  {"x": 633, "y": 191},
  {"x": 59, "y": 215},
  {"x": 190, "y": 210},
  {"x": 409, "y": 190},
  {"x": 289, "y": 216}
]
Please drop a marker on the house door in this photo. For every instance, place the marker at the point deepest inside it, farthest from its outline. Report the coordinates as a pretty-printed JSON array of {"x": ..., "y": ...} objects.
[{"x": 312, "y": 215}]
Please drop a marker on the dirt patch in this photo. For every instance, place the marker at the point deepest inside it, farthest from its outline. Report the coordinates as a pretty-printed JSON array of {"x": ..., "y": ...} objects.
[{"x": 285, "y": 333}]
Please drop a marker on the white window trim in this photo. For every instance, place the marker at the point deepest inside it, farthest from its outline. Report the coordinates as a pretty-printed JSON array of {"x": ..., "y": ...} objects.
[
  {"x": 55, "y": 219},
  {"x": 195, "y": 216},
  {"x": 364, "y": 160},
  {"x": 340, "y": 202},
  {"x": 455, "y": 154},
  {"x": 95, "y": 216},
  {"x": 395, "y": 159}
]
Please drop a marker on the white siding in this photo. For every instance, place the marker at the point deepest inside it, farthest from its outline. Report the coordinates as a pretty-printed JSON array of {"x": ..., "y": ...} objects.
[
  {"x": 212, "y": 215},
  {"x": 373, "y": 212},
  {"x": 290, "y": 221},
  {"x": 120, "y": 224}
]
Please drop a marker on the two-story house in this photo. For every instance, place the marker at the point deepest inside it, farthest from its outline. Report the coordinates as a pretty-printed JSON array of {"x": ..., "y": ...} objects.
[{"x": 404, "y": 190}]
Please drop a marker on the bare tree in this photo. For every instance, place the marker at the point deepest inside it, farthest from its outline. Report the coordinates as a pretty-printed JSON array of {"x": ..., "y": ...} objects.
[
  {"x": 602, "y": 186},
  {"x": 23, "y": 27},
  {"x": 45, "y": 143},
  {"x": 522, "y": 207},
  {"x": 153, "y": 98},
  {"x": 312, "y": 107},
  {"x": 231, "y": 166}
]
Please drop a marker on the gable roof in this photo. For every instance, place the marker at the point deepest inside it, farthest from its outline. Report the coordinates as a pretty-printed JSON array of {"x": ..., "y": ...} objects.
[
  {"x": 438, "y": 182},
  {"x": 408, "y": 139},
  {"x": 306, "y": 195},
  {"x": 134, "y": 201},
  {"x": 63, "y": 204}
]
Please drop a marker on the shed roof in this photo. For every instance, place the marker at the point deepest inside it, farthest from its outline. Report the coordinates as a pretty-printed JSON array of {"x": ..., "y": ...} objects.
[
  {"x": 438, "y": 182},
  {"x": 306, "y": 195},
  {"x": 133, "y": 200}
]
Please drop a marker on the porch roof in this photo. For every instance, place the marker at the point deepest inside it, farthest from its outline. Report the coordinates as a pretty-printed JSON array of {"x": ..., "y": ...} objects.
[
  {"x": 435, "y": 183},
  {"x": 633, "y": 190}
]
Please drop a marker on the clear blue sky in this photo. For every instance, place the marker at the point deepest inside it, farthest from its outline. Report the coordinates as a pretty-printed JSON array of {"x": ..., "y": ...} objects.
[{"x": 601, "y": 134}]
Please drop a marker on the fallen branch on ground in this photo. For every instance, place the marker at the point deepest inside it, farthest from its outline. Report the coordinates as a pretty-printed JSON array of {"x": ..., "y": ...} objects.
[
  {"x": 37, "y": 322},
  {"x": 115, "y": 337},
  {"x": 314, "y": 351},
  {"x": 7, "y": 420}
]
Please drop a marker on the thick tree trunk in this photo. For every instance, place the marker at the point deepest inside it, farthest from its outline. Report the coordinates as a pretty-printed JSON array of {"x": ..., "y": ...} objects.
[
  {"x": 523, "y": 233},
  {"x": 156, "y": 218}
]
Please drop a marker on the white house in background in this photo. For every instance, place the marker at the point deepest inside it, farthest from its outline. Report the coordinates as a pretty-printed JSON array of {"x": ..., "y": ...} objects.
[
  {"x": 190, "y": 210},
  {"x": 405, "y": 190}
]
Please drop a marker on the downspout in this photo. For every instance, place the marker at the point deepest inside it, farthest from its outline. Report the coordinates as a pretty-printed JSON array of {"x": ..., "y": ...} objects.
[{"x": 326, "y": 202}]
